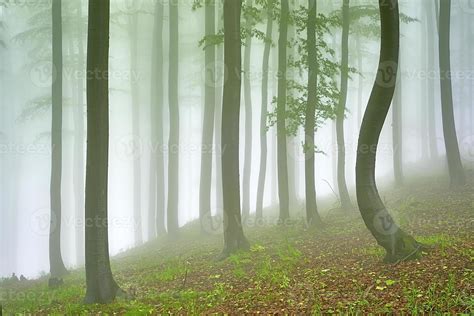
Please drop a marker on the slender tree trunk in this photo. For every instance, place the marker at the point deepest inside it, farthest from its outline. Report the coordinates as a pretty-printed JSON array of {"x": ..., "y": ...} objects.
[
  {"x": 456, "y": 171},
  {"x": 156, "y": 218},
  {"x": 360, "y": 80},
  {"x": 248, "y": 118},
  {"x": 208, "y": 122},
  {"x": 173, "y": 161},
  {"x": 398, "y": 245},
  {"x": 101, "y": 287},
  {"x": 218, "y": 118},
  {"x": 79, "y": 136},
  {"x": 234, "y": 238},
  {"x": 283, "y": 191},
  {"x": 397, "y": 133},
  {"x": 312, "y": 215},
  {"x": 57, "y": 268},
  {"x": 264, "y": 112},
  {"x": 137, "y": 207},
  {"x": 341, "y": 111},
  {"x": 430, "y": 25}
]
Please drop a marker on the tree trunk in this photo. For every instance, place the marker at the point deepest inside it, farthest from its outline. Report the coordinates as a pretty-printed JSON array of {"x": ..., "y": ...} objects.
[
  {"x": 264, "y": 112},
  {"x": 360, "y": 80},
  {"x": 57, "y": 268},
  {"x": 398, "y": 245},
  {"x": 456, "y": 171},
  {"x": 283, "y": 191},
  {"x": 208, "y": 122},
  {"x": 248, "y": 118},
  {"x": 312, "y": 215},
  {"x": 431, "y": 82},
  {"x": 79, "y": 135},
  {"x": 101, "y": 287},
  {"x": 341, "y": 111},
  {"x": 173, "y": 160},
  {"x": 234, "y": 238},
  {"x": 137, "y": 207},
  {"x": 156, "y": 218},
  {"x": 397, "y": 134}
]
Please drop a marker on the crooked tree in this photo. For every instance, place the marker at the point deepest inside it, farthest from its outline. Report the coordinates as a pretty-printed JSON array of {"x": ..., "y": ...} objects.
[{"x": 398, "y": 245}]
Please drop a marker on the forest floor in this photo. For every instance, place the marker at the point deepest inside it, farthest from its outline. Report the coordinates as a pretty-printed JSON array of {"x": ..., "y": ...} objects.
[{"x": 290, "y": 269}]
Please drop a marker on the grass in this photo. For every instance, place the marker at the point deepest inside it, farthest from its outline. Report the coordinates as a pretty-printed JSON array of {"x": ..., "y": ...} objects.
[{"x": 289, "y": 269}]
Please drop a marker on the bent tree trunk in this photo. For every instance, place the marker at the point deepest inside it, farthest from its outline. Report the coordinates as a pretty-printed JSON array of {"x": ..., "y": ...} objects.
[
  {"x": 263, "y": 115},
  {"x": 208, "y": 122},
  {"x": 234, "y": 238},
  {"x": 456, "y": 171},
  {"x": 283, "y": 191},
  {"x": 341, "y": 111},
  {"x": 57, "y": 268},
  {"x": 398, "y": 245},
  {"x": 101, "y": 287},
  {"x": 173, "y": 161},
  {"x": 312, "y": 215},
  {"x": 156, "y": 218}
]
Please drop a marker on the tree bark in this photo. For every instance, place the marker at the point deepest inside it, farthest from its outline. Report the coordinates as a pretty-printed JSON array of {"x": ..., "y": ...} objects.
[
  {"x": 101, "y": 287},
  {"x": 57, "y": 268},
  {"x": 398, "y": 245},
  {"x": 312, "y": 215},
  {"x": 456, "y": 171},
  {"x": 79, "y": 136},
  {"x": 156, "y": 218},
  {"x": 341, "y": 111},
  {"x": 234, "y": 238},
  {"x": 208, "y": 122},
  {"x": 173, "y": 160},
  {"x": 283, "y": 191},
  {"x": 137, "y": 179},
  {"x": 248, "y": 118},
  {"x": 264, "y": 111},
  {"x": 397, "y": 133}
]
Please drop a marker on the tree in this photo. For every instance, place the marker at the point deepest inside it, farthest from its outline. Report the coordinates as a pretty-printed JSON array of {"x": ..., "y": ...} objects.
[
  {"x": 248, "y": 111},
  {"x": 208, "y": 122},
  {"x": 283, "y": 191},
  {"x": 173, "y": 157},
  {"x": 234, "y": 238},
  {"x": 456, "y": 171},
  {"x": 341, "y": 110},
  {"x": 312, "y": 215},
  {"x": 79, "y": 137},
  {"x": 397, "y": 135},
  {"x": 101, "y": 286},
  {"x": 264, "y": 111},
  {"x": 398, "y": 245},
  {"x": 137, "y": 179},
  {"x": 156, "y": 218},
  {"x": 57, "y": 267}
]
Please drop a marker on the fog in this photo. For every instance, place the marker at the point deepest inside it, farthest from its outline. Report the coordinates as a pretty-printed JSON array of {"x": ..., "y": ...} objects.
[{"x": 25, "y": 120}]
